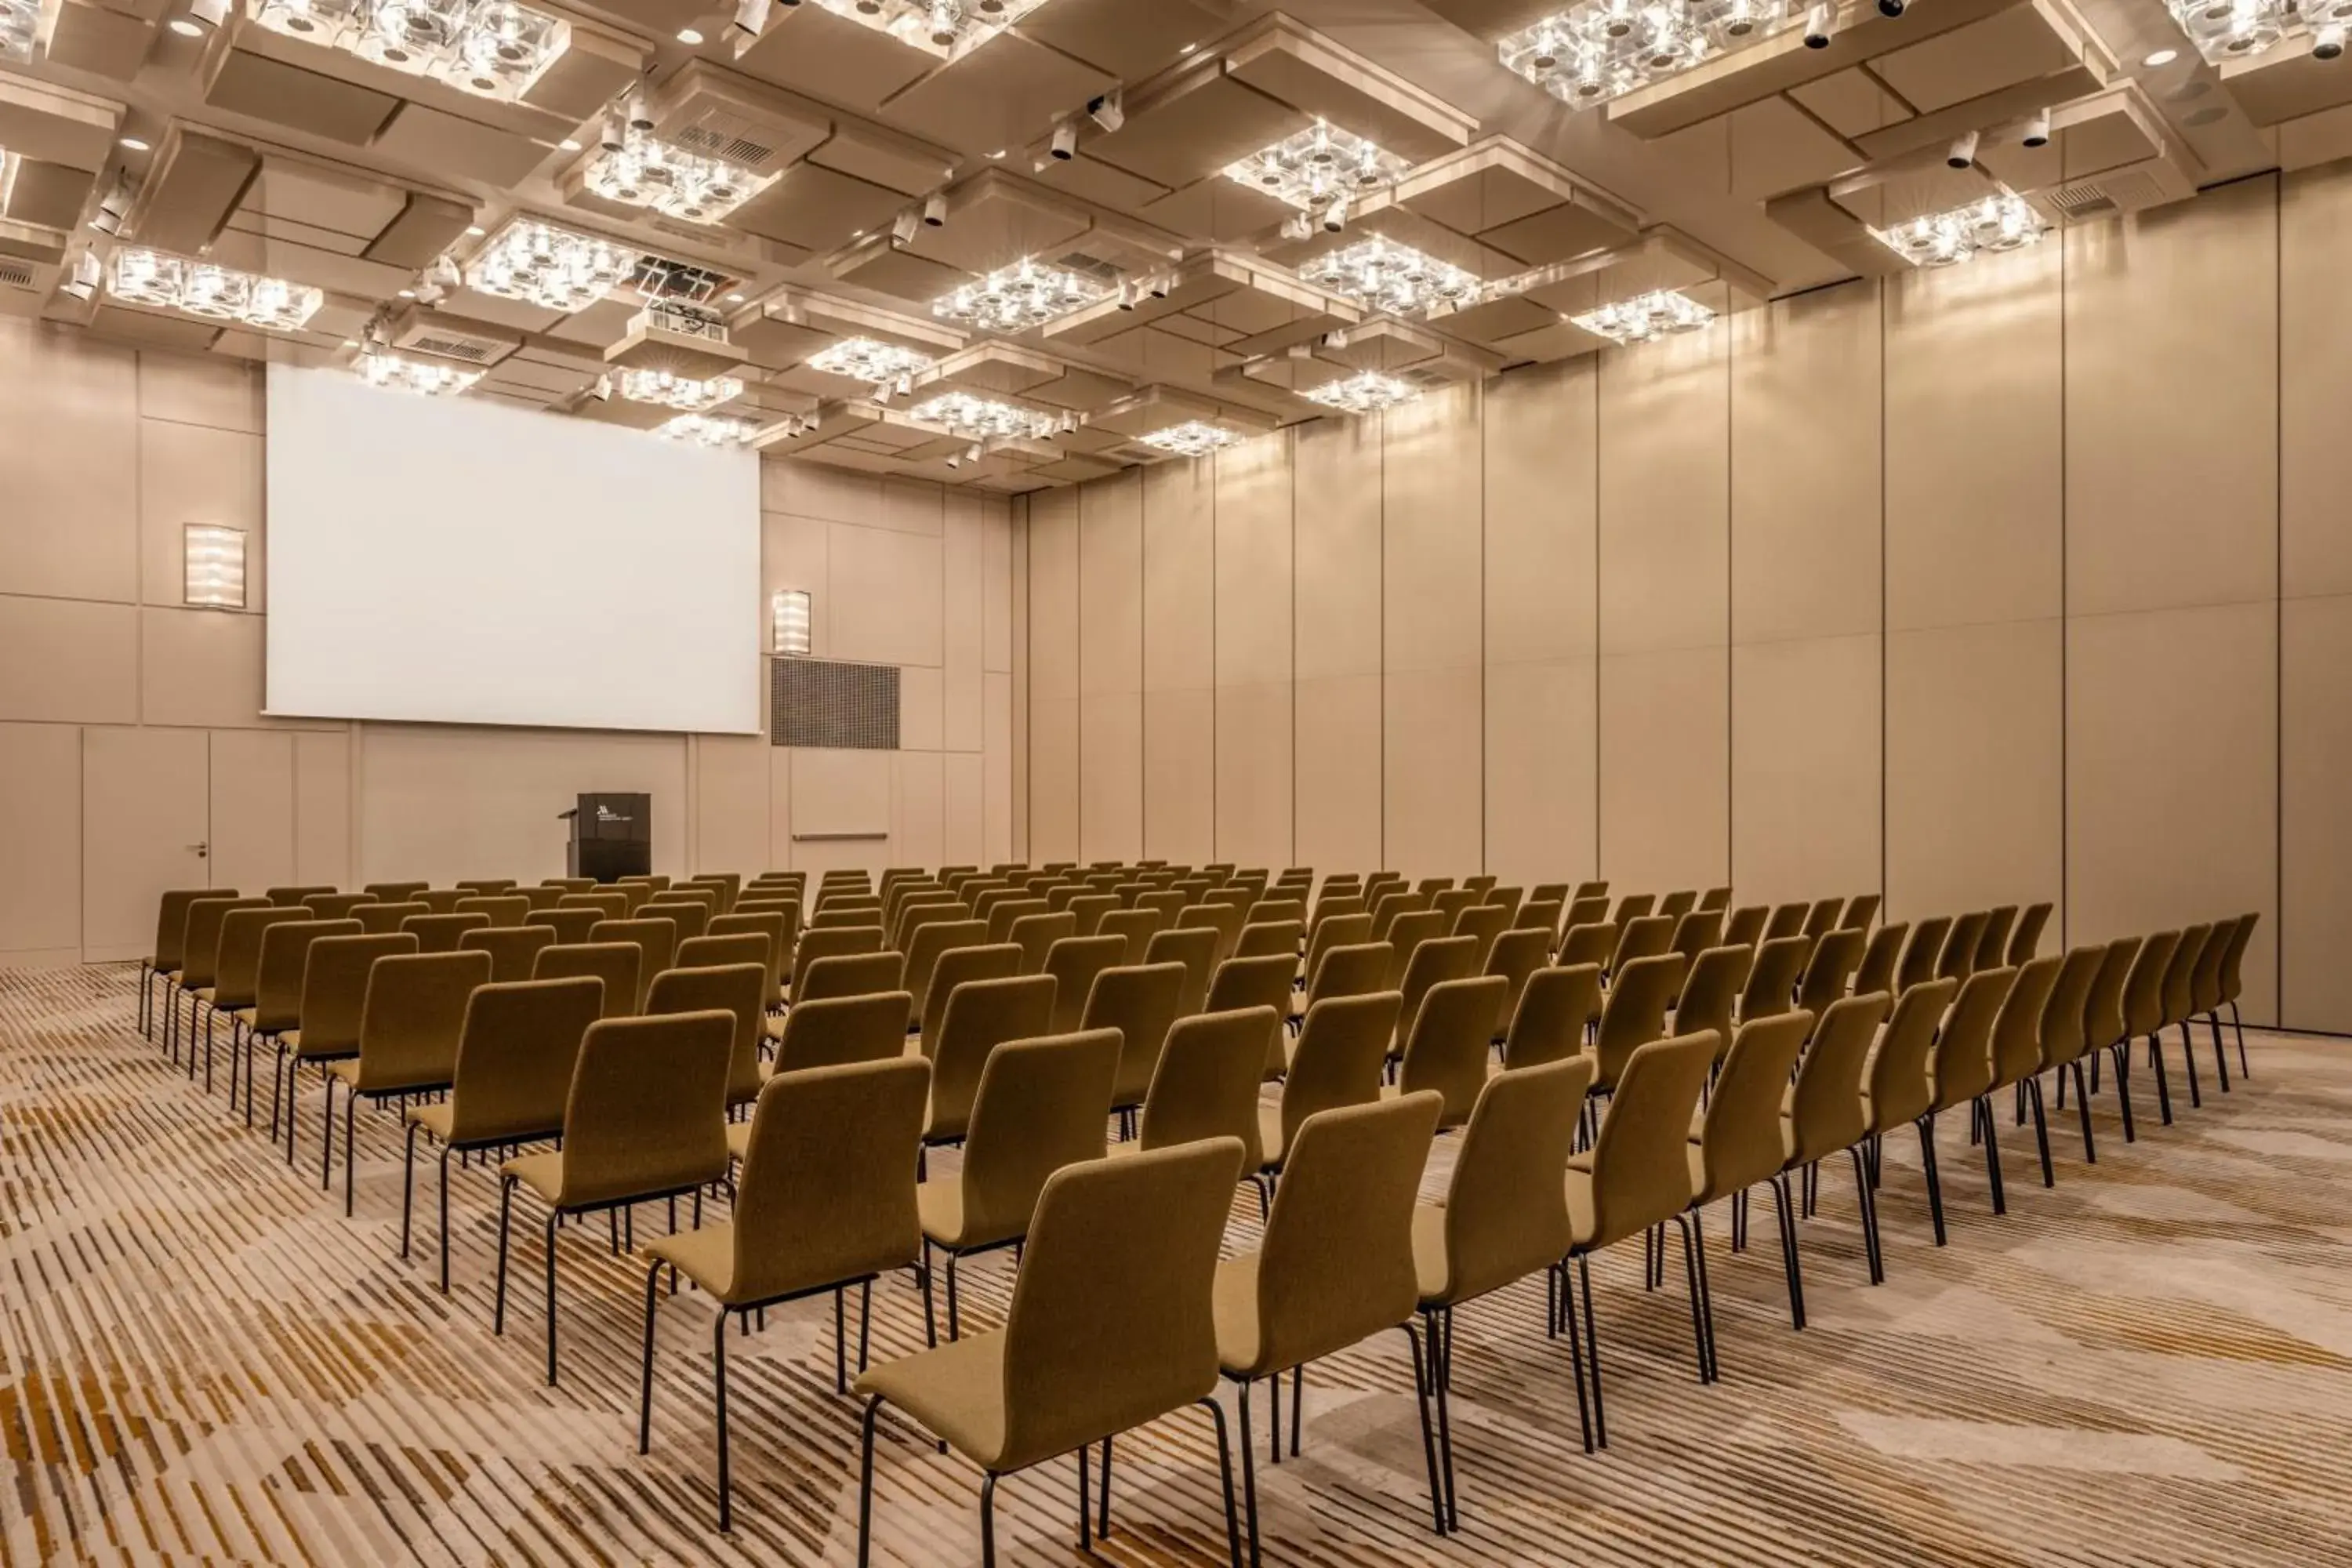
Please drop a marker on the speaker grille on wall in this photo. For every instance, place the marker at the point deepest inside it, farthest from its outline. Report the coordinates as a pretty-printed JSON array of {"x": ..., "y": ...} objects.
[{"x": 821, "y": 703}]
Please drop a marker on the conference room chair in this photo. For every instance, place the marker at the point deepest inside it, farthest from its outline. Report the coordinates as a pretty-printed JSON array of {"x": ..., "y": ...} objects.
[
  {"x": 643, "y": 1123},
  {"x": 1507, "y": 900},
  {"x": 990, "y": 960},
  {"x": 850, "y": 974},
  {"x": 1334, "y": 931},
  {"x": 1265, "y": 938},
  {"x": 1452, "y": 901},
  {"x": 1644, "y": 936},
  {"x": 376, "y": 919},
  {"x": 1959, "y": 959},
  {"x": 1829, "y": 970},
  {"x": 1711, "y": 990},
  {"x": 833, "y": 942},
  {"x": 981, "y": 1016},
  {"x": 277, "y": 988},
  {"x": 1241, "y": 983},
  {"x": 2234, "y": 980},
  {"x": 1142, "y": 1003},
  {"x": 162, "y": 960},
  {"x": 1879, "y": 957},
  {"x": 441, "y": 900},
  {"x": 835, "y": 1032},
  {"x": 1242, "y": 896},
  {"x": 1039, "y": 1105},
  {"x": 1206, "y": 1085},
  {"x": 914, "y": 895},
  {"x": 291, "y": 897},
  {"x": 928, "y": 941},
  {"x": 913, "y": 918},
  {"x": 2178, "y": 998},
  {"x": 823, "y": 1203},
  {"x": 1553, "y": 890},
  {"x": 1058, "y": 898},
  {"x": 334, "y": 906},
  {"x": 734, "y": 989},
  {"x": 1597, "y": 888},
  {"x": 1744, "y": 928},
  {"x": 1788, "y": 919},
  {"x": 1676, "y": 905},
  {"x": 1634, "y": 1014},
  {"x": 610, "y": 902},
  {"x": 1393, "y": 905},
  {"x": 402, "y": 892},
  {"x": 1516, "y": 955},
  {"x": 236, "y": 971},
  {"x": 2205, "y": 991},
  {"x": 1194, "y": 947},
  {"x": 501, "y": 909},
  {"x": 1483, "y": 924},
  {"x": 786, "y": 910},
  {"x": 728, "y": 884},
  {"x": 2017, "y": 1055},
  {"x": 837, "y": 917},
  {"x": 1225, "y": 920},
  {"x": 1588, "y": 943},
  {"x": 200, "y": 945},
  {"x": 518, "y": 1044},
  {"x": 1446, "y": 1045},
  {"x": 1081, "y": 1364},
  {"x": 485, "y": 884},
  {"x": 570, "y": 925},
  {"x": 1559, "y": 1006},
  {"x": 1001, "y": 916},
  {"x": 1036, "y": 936},
  {"x": 1504, "y": 1216},
  {"x": 1479, "y": 883},
  {"x": 1072, "y": 962},
  {"x": 657, "y": 939},
  {"x": 1738, "y": 1143},
  {"x": 1335, "y": 1062},
  {"x": 414, "y": 1010},
  {"x": 538, "y": 898},
  {"x": 1585, "y": 912},
  {"x": 1716, "y": 898},
  {"x": 1635, "y": 907},
  {"x": 334, "y": 995},
  {"x": 770, "y": 929},
  {"x": 2103, "y": 1029},
  {"x": 1772, "y": 987},
  {"x": 2026, "y": 939},
  {"x": 1899, "y": 1084},
  {"x": 1432, "y": 962},
  {"x": 562, "y": 885},
  {"x": 1992, "y": 942},
  {"x": 621, "y": 963},
  {"x": 1334, "y": 1267},
  {"x": 1822, "y": 917},
  {"x": 691, "y": 916},
  {"x": 1635, "y": 1177},
  {"x": 512, "y": 949},
  {"x": 1964, "y": 1076},
  {"x": 1696, "y": 932},
  {"x": 1827, "y": 1116},
  {"x": 1922, "y": 952},
  {"x": 2065, "y": 1040},
  {"x": 1358, "y": 969}
]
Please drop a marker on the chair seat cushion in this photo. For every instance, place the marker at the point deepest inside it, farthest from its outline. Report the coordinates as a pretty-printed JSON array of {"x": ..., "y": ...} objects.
[
  {"x": 1233, "y": 1303},
  {"x": 938, "y": 1205},
  {"x": 1269, "y": 1137},
  {"x": 436, "y": 1118},
  {"x": 706, "y": 1255},
  {"x": 1583, "y": 1224},
  {"x": 542, "y": 1174},
  {"x": 957, "y": 1391},
  {"x": 738, "y": 1140},
  {"x": 1429, "y": 1265}
]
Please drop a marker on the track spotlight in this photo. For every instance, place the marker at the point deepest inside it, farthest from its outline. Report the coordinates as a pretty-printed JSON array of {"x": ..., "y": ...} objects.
[
  {"x": 935, "y": 210},
  {"x": 1158, "y": 286},
  {"x": 81, "y": 279},
  {"x": 113, "y": 207},
  {"x": 1963, "y": 153},
  {"x": 750, "y": 19},
  {"x": 203, "y": 16},
  {"x": 1335, "y": 216},
  {"x": 2037, "y": 130},
  {"x": 2328, "y": 43},
  {"x": 903, "y": 226},
  {"x": 1821, "y": 25},
  {"x": 1108, "y": 111},
  {"x": 1297, "y": 225},
  {"x": 1065, "y": 141},
  {"x": 1890, "y": 8},
  {"x": 601, "y": 389}
]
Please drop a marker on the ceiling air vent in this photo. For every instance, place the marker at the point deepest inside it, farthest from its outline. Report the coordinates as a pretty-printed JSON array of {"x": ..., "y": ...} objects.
[
  {"x": 449, "y": 337},
  {"x": 721, "y": 116},
  {"x": 18, "y": 273},
  {"x": 2082, "y": 200}
]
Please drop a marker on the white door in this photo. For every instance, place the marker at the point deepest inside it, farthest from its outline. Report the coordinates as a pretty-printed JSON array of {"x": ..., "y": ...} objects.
[{"x": 145, "y": 829}]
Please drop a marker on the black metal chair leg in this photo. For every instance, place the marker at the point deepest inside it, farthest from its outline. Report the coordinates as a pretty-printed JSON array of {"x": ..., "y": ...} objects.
[
  {"x": 645, "y": 1380},
  {"x": 1784, "y": 1211},
  {"x": 1992, "y": 1158},
  {"x": 718, "y": 1386},
  {"x": 2041, "y": 1131},
  {"x": 2189, "y": 1058},
  {"x": 1420, "y": 1381},
  {"x": 408, "y": 1181},
  {"x": 351, "y": 1106},
  {"x": 2239, "y": 1025},
  {"x": 1224, "y": 1474},
  {"x": 866, "y": 1477},
  {"x": 506, "y": 1207},
  {"x": 2082, "y": 1105},
  {"x": 988, "y": 1521},
  {"x": 2121, "y": 1052},
  {"x": 2163, "y": 1088},
  {"x": 1249, "y": 1476},
  {"x": 327, "y": 1136},
  {"x": 1927, "y": 1125},
  {"x": 551, "y": 1219},
  {"x": 1298, "y": 1403},
  {"x": 2220, "y": 1053}
]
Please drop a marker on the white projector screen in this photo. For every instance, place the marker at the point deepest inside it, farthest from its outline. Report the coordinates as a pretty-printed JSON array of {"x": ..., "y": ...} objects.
[{"x": 448, "y": 561}]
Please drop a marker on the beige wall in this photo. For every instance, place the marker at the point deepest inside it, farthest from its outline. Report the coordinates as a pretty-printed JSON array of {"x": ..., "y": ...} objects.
[
  {"x": 2027, "y": 580},
  {"x": 130, "y": 728}
]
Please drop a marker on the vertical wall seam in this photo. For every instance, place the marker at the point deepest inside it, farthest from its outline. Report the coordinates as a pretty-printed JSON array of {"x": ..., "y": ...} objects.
[
  {"x": 2065, "y": 623},
  {"x": 1598, "y": 641},
  {"x": 1884, "y": 773},
  {"x": 2278, "y": 589}
]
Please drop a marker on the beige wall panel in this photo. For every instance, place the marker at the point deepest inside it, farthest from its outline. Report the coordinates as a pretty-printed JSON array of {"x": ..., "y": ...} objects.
[
  {"x": 1254, "y": 781},
  {"x": 730, "y": 803},
  {"x": 442, "y": 803},
  {"x": 1432, "y": 567},
  {"x": 1542, "y": 779},
  {"x": 912, "y": 506},
  {"x": 1339, "y": 472},
  {"x": 1540, "y": 511},
  {"x": 1975, "y": 434},
  {"x": 793, "y": 553},
  {"x": 2314, "y": 384},
  {"x": 1975, "y": 769},
  {"x": 1019, "y": 685},
  {"x": 201, "y": 667},
  {"x": 1805, "y": 769},
  {"x": 887, "y": 595},
  {"x": 962, "y": 629},
  {"x": 2172, "y": 777},
  {"x": 322, "y": 807},
  {"x": 1179, "y": 775},
  {"x": 2172, "y": 348},
  {"x": 1665, "y": 769},
  {"x": 967, "y": 810},
  {"x": 1054, "y": 595},
  {"x": 69, "y": 525},
  {"x": 921, "y": 722},
  {"x": 1053, "y": 780},
  {"x": 996, "y": 588},
  {"x": 998, "y": 757},
  {"x": 1252, "y": 562},
  {"x": 253, "y": 808},
  {"x": 1339, "y": 801},
  {"x": 2314, "y": 921},
  {"x": 1110, "y": 776},
  {"x": 1805, "y": 489},
  {"x": 40, "y": 853},
  {"x": 1664, "y": 495},
  {"x": 144, "y": 812},
  {"x": 845, "y": 808},
  {"x": 1111, "y": 585},
  {"x": 918, "y": 832},
  {"x": 201, "y": 389},
  {"x": 1432, "y": 781},
  {"x": 1180, "y": 577},
  {"x": 813, "y": 489},
  {"x": 188, "y": 473},
  {"x": 780, "y": 815},
  {"x": 69, "y": 661}
]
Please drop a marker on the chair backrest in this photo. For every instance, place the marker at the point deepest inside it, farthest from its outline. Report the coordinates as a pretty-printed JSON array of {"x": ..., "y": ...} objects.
[
  {"x": 1641, "y": 1164},
  {"x": 2178, "y": 999},
  {"x": 1646, "y": 936},
  {"x": 1959, "y": 959},
  {"x": 1040, "y": 1105},
  {"x": 1407, "y": 932},
  {"x": 1142, "y": 1001},
  {"x": 1392, "y": 904},
  {"x": 2016, "y": 1033},
  {"x": 1137, "y": 926},
  {"x": 833, "y": 941},
  {"x": 1860, "y": 910},
  {"x": 647, "y": 1110},
  {"x": 981, "y": 1015},
  {"x": 1539, "y": 914},
  {"x": 536, "y": 899},
  {"x": 1224, "y": 918},
  {"x": 2234, "y": 958},
  {"x": 1636, "y": 906},
  {"x": 1342, "y": 1043},
  {"x": 1336, "y": 1264},
  {"x": 1922, "y": 952},
  {"x": 1261, "y": 939},
  {"x": 1963, "y": 1067},
  {"x": 1992, "y": 942},
  {"x": 1445, "y": 1048},
  {"x": 570, "y": 925},
  {"x": 1002, "y": 913},
  {"x": 2026, "y": 940},
  {"x": 1591, "y": 942},
  {"x": 1696, "y": 932},
  {"x": 1711, "y": 990},
  {"x": 201, "y": 939},
  {"x": 656, "y": 942},
  {"x": 512, "y": 949},
  {"x": 1242, "y": 982},
  {"x": 620, "y": 965},
  {"x": 1900, "y": 1088},
  {"x": 1195, "y": 948},
  {"x": 285, "y": 955},
  {"x": 1679, "y": 903},
  {"x": 1088, "y": 909},
  {"x": 1432, "y": 962},
  {"x": 503, "y": 908},
  {"x": 1506, "y": 1212},
  {"x": 1825, "y": 1110},
  {"x": 833, "y": 1031},
  {"x": 1772, "y": 987},
  {"x": 1740, "y": 1142},
  {"x": 1788, "y": 919},
  {"x": 1451, "y": 901},
  {"x": 739, "y": 990},
  {"x": 2205, "y": 977},
  {"x": 728, "y": 885},
  {"x": 1552, "y": 1014},
  {"x": 611, "y": 901},
  {"x": 1354, "y": 970},
  {"x": 2063, "y": 1034},
  {"x": 2103, "y": 1005},
  {"x": 1588, "y": 912},
  {"x": 401, "y": 892},
  {"x": 1746, "y": 926},
  {"x": 1559, "y": 890},
  {"x": 1483, "y": 924},
  {"x": 1516, "y": 955},
  {"x": 335, "y": 906},
  {"x": 172, "y": 924},
  {"x": 1836, "y": 953},
  {"x": 334, "y": 987},
  {"x": 1823, "y": 917},
  {"x": 1111, "y": 1323},
  {"x": 441, "y": 933},
  {"x": 1335, "y": 931},
  {"x": 237, "y": 963},
  {"x": 1074, "y": 962},
  {"x": 1507, "y": 898},
  {"x": 1206, "y": 1084},
  {"x": 765, "y": 924},
  {"x": 483, "y": 884},
  {"x": 993, "y": 961},
  {"x": 691, "y": 916},
  {"x": 1880, "y": 957},
  {"x": 851, "y": 974},
  {"x": 827, "y": 1188},
  {"x": 1036, "y": 936},
  {"x": 516, "y": 1048},
  {"x": 929, "y": 940},
  {"x": 411, "y": 1015},
  {"x": 1636, "y": 1012},
  {"x": 444, "y": 901},
  {"x": 2144, "y": 989}
]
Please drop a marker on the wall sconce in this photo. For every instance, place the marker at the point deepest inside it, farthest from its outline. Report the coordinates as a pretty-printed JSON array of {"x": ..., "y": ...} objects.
[
  {"x": 791, "y": 622},
  {"x": 214, "y": 566}
]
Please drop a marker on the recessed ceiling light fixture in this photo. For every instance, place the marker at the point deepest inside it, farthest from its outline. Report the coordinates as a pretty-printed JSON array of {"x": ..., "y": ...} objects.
[
  {"x": 132, "y": 144},
  {"x": 1602, "y": 49},
  {"x": 1017, "y": 297},
  {"x": 1366, "y": 391},
  {"x": 983, "y": 419},
  {"x": 637, "y": 169},
  {"x": 707, "y": 430},
  {"x": 684, "y": 393},
  {"x": 948, "y": 28},
  {"x": 1646, "y": 317},
  {"x": 869, "y": 360},
  {"x": 20, "y": 23},
  {"x": 206, "y": 288},
  {"x": 1383, "y": 275},
  {"x": 1193, "y": 439},
  {"x": 1316, "y": 167},
  {"x": 2161, "y": 57},
  {"x": 2225, "y": 30},
  {"x": 188, "y": 27},
  {"x": 429, "y": 378},
  {"x": 492, "y": 48},
  {"x": 689, "y": 36},
  {"x": 552, "y": 268},
  {"x": 1999, "y": 222}
]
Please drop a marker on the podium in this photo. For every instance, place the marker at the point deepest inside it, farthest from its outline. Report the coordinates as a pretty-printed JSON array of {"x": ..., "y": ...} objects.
[{"x": 612, "y": 836}]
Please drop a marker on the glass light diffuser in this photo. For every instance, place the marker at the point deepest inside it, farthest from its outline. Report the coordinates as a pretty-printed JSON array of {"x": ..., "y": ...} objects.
[
  {"x": 983, "y": 419},
  {"x": 1017, "y": 297},
  {"x": 212, "y": 566},
  {"x": 206, "y": 288},
  {"x": 20, "y": 23},
  {"x": 678, "y": 392},
  {"x": 1318, "y": 167},
  {"x": 1602, "y": 49},
  {"x": 788, "y": 622},
  {"x": 707, "y": 430},
  {"x": 1192, "y": 439},
  {"x": 948, "y": 28},
  {"x": 867, "y": 360},
  {"x": 492, "y": 48},
  {"x": 2226, "y": 30},
  {"x": 1646, "y": 317},
  {"x": 1366, "y": 391},
  {"x": 427, "y": 377},
  {"x": 2000, "y": 222},
  {"x": 1382, "y": 275},
  {"x": 552, "y": 268},
  {"x": 646, "y": 172}
]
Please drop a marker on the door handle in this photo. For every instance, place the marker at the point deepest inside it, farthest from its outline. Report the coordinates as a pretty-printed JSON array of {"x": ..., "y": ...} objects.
[{"x": 202, "y": 849}]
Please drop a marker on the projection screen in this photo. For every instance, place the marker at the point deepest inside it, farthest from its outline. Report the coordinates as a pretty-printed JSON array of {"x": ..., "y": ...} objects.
[{"x": 454, "y": 561}]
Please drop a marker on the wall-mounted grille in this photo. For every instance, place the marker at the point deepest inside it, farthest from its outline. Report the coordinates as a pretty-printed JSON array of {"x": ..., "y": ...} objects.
[{"x": 823, "y": 703}]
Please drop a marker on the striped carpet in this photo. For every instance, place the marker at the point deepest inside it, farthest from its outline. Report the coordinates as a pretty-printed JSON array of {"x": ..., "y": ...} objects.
[{"x": 206, "y": 1362}]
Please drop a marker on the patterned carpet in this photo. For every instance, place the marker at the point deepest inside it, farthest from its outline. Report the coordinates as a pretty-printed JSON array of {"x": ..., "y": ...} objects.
[{"x": 206, "y": 1362}]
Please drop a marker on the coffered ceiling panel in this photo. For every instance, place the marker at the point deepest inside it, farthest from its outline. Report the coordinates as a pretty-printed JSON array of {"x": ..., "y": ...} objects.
[
  {"x": 1508, "y": 199},
  {"x": 1192, "y": 125},
  {"x": 2273, "y": 90},
  {"x": 243, "y": 82},
  {"x": 1294, "y": 66},
  {"x": 1118, "y": 36},
  {"x": 995, "y": 96},
  {"x": 99, "y": 39},
  {"x": 810, "y": 50}
]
